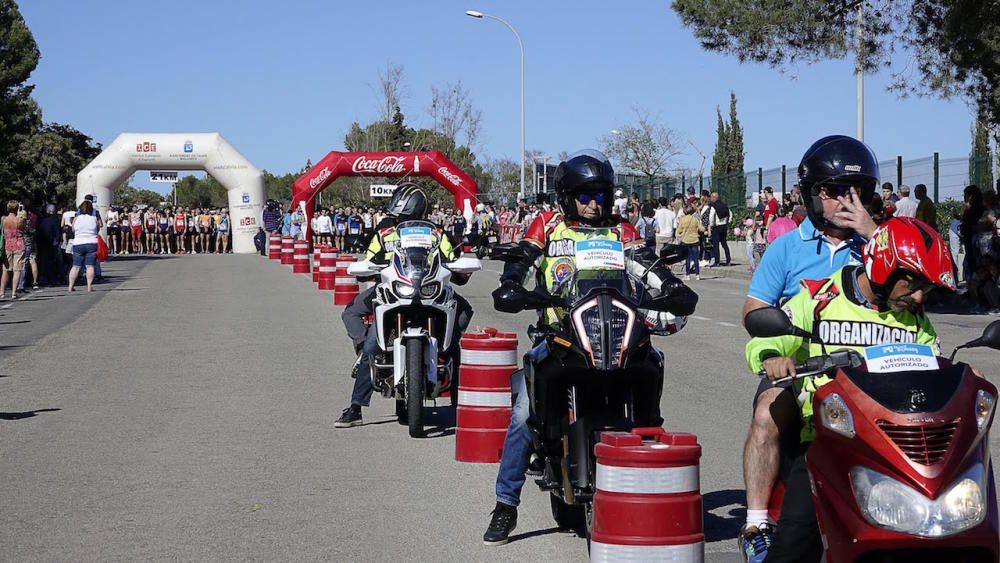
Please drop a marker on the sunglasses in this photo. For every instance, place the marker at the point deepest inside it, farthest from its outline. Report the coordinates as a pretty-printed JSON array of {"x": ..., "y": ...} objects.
[
  {"x": 918, "y": 284},
  {"x": 586, "y": 198},
  {"x": 837, "y": 190}
]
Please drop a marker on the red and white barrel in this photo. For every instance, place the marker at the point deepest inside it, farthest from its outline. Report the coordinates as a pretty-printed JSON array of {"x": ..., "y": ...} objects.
[
  {"x": 315, "y": 262},
  {"x": 287, "y": 250},
  {"x": 484, "y": 397},
  {"x": 274, "y": 247},
  {"x": 327, "y": 267},
  {"x": 345, "y": 286},
  {"x": 300, "y": 257},
  {"x": 648, "y": 504}
]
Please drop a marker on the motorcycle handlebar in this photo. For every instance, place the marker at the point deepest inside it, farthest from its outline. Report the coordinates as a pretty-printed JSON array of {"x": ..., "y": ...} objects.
[{"x": 819, "y": 365}]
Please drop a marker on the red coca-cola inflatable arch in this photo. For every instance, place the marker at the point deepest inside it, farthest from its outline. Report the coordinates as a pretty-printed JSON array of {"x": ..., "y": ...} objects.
[{"x": 388, "y": 164}]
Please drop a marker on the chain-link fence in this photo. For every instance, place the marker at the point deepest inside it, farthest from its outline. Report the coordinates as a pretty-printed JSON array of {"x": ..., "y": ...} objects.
[{"x": 945, "y": 179}]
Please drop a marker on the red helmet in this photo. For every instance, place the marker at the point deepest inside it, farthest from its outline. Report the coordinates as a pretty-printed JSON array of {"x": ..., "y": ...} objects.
[{"x": 901, "y": 246}]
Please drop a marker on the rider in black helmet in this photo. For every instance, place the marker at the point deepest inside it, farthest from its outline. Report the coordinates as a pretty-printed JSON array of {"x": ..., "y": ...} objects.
[
  {"x": 837, "y": 176},
  {"x": 408, "y": 203}
]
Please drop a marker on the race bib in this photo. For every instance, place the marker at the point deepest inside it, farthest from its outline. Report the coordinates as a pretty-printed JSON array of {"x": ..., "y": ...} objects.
[
  {"x": 416, "y": 237},
  {"x": 889, "y": 358},
  {"x": 599, "y": 254}
]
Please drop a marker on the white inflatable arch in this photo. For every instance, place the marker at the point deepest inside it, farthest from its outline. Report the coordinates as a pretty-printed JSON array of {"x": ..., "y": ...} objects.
[{"x": 180, "y": 151}]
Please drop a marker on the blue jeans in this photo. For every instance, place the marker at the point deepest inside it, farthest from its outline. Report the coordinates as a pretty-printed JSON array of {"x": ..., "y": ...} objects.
[
  {"x": 362, "y": 394},
  {"x": 691, "y": 266},
  {"x": 516, "y": 446}
]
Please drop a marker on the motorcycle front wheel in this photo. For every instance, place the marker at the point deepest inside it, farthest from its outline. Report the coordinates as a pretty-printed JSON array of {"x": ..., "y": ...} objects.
[
  {"x": 415, "y": 387},
  {"x": 569, "y": 516}
]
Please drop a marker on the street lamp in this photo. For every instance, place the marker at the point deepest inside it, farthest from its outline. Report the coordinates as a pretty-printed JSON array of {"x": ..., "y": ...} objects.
[{"x": 480, "y": 15}]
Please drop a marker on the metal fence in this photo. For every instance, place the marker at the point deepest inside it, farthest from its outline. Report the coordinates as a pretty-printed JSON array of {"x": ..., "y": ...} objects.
[{"x": 945, "y": 179}]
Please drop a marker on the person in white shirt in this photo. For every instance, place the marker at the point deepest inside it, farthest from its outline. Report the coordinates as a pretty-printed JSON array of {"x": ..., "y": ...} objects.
[
  {"x": 620, "y": 207},
  {"x": 905, "y": 207},
  {"x": 665, "y": 220},
  {"x": 85, "y": 229},
  {"x": 324, "y": 227}
]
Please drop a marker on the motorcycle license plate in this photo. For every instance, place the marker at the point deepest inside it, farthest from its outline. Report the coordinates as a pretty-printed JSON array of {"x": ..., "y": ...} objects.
[
  {"x": 492, "y": 240},
  {"x": 416, "y": 237},
  {"x": 889, "y": 358},
  {"x": 600, "y": 254}
]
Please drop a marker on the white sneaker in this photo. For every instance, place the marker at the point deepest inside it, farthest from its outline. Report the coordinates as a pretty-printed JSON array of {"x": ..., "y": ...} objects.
[
  {"x": 698, "y": 278},
  {"x": 687, "y": 277}
]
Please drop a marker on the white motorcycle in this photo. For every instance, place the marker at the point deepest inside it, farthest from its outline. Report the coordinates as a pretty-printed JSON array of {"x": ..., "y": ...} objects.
[{"x": 415, "y": 314}]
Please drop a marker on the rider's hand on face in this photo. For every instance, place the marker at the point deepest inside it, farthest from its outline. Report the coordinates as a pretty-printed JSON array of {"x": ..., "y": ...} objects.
[
  {"x": 779, "y": 367},
  {"x": 853, "y": 215}
]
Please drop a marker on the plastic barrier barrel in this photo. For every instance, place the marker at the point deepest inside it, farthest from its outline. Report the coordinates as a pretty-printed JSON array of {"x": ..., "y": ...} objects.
[
  {"x": 300, "y": 257},
  {"x": 345, "y": 286},
  {"x": 647, "y": 506},
  {"x": 274, "y": 247},
  {"x": 484, "y": 397},
  {"x": 327, "y": 267},
  {"x": 315, "y": 262},
  {"x": 287, "y": 250}
]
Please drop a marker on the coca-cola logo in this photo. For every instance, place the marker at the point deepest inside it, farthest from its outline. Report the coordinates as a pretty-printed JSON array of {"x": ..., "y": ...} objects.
[
  {"x": 450, "y": 176},
  {"x": 384, "y": 165},
  {"x": 320, "y": 178},
  {"x": 145, "y": 147}
]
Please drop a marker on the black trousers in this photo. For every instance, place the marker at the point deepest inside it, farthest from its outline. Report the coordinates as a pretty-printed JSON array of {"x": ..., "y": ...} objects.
[
  {"x": 796, "y": 537},
  {"x": 719, "y": 237}
]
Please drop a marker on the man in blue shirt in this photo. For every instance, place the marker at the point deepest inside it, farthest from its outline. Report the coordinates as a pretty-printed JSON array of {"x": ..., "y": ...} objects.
[{"x": 838, "y": 176}]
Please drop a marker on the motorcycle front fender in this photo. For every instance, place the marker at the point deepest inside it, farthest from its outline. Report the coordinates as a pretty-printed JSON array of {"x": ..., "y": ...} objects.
[{"x": 430, "y": 346}]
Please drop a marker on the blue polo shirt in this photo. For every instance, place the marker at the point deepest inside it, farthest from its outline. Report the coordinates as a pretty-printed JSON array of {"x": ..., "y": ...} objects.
[{"x": 802, "y": 254}]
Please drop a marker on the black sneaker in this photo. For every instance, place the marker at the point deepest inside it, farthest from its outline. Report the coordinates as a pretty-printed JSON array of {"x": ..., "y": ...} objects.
[
  {"x": 350, "y": 417},
  {"x": 502, "y": 523}
]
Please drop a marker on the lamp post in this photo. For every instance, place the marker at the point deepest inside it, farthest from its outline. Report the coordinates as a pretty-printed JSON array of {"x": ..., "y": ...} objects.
[{"x": 480, "y": 15}]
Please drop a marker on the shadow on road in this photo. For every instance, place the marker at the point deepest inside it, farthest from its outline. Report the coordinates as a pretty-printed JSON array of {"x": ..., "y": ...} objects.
[
  {"x": 439, "y": 421},
  {"x": 14, "y": 322},
  {"x": 726, "y": 526},
  {"x": 23, "y": 415},
  {"x": 535, "y": 533}
]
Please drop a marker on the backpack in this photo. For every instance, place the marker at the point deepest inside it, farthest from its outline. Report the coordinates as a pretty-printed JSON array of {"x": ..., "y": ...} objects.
[
  {"x": 721, "y": 210},
  {"x": 646, "y": 230}
]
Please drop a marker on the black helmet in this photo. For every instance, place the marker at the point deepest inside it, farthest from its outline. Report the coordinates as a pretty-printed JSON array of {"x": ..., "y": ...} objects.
[
  {"x": 587, "y": 171},
  {"x": 836, "y": 161},
  {"x": 408, "y": 203}
]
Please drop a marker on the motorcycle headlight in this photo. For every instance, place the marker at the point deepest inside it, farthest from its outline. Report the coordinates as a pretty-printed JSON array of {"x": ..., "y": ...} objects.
[
  {"x": 984, "y": 408},
  {"x": 429, "y": 290},
  {"x": 402, "y": 289},
  {"x": 836, "y": 415},
  {"x": 889, "y": 504}
]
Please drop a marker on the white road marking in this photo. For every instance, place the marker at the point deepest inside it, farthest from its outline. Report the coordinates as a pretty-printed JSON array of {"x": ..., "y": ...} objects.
[
  {"x": 727, "y": 324},
  {"x": 700, "y": 318}
]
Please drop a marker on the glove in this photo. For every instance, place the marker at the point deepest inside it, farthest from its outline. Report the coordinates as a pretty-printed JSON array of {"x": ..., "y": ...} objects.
[{"x": 663, "y": 323}]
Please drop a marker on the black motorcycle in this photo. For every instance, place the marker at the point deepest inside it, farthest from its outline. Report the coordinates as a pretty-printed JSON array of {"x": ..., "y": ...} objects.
[{"x": 593, "y": 371}]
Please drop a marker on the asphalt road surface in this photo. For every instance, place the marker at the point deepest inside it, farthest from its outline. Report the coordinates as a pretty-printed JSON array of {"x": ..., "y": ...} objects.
[{"x": 185, "y": 411}]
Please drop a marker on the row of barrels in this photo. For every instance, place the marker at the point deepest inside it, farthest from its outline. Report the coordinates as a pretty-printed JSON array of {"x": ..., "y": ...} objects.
[
  {"x": 648, "y": 504},
  {"x": 328, "y": 268}
]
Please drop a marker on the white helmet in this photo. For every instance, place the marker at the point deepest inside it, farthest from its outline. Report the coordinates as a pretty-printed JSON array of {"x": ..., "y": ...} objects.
[
  {"x": 619, "y": 193},
  {"x": 480, "y": 207}
]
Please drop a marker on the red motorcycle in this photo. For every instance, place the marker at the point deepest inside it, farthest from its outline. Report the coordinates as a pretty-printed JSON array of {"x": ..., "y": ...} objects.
[{"x": 900, "y": 466}]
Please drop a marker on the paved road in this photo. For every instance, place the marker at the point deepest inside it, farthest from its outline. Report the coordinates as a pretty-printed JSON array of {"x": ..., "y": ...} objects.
[{"x": 185, "y": 411}]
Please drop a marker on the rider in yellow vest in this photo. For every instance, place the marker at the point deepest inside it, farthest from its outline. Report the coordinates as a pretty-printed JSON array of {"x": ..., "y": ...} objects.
[{"x": 856, "y": 307}]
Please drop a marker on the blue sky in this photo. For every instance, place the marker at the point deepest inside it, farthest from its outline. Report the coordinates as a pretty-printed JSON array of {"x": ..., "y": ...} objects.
[{"x": 284, "y": 80}]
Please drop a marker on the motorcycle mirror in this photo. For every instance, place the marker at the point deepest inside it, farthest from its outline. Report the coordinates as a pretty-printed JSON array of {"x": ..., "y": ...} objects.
[
  {"x": 673, "y": 253},
  {"x": 464, "y": 265},
  {"x": 509, "y": 252},
  {"x": 989, "y": 339},
  {"x": 362, "y": 269},
  {"x": 769, "y": 322}
]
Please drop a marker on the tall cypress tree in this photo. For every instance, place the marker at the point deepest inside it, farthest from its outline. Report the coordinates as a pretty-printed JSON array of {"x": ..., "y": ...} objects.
[
  {"x": 735, "y": 141},
  {"x": 720, "y": 158},
  {"x": 981, "y": 157}
]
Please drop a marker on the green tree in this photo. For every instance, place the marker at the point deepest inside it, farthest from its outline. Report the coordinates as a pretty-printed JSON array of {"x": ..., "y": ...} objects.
[
  {"x": 735, "y": 150},
  {"x": 720, "y": 158},
  {"x": 20, "y": 116},
  {"x": 952, "y": 47},
  {"x": 981, "y": 157},
  {"x": 46, "y": 164}
]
